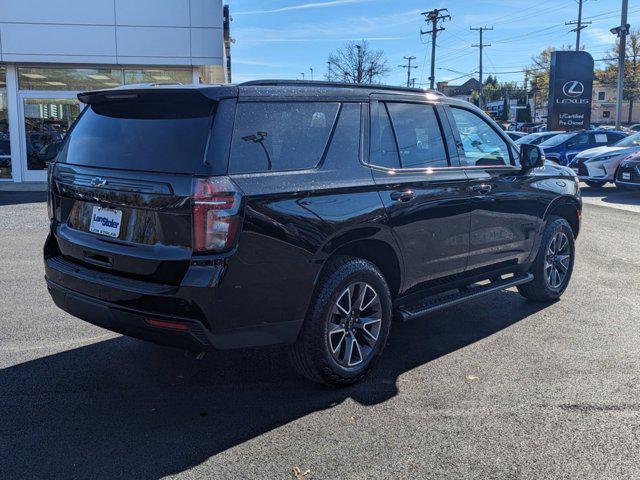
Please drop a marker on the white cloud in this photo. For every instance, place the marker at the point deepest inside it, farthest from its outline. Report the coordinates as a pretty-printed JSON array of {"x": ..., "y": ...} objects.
[
  {"x": 601, "y": 36},
  {"x": 355, "y": 28},
  {"x": 303, "y": 6}
]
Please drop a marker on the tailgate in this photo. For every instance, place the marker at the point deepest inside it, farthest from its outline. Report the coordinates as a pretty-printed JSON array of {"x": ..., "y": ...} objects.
[{"x": 145, "y": 232}]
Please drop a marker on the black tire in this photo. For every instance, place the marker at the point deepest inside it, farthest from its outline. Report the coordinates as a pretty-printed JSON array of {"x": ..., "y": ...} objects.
[
  {"x": 312, "y": 354},
  {"x": 594, "y": 184},
  {"x": 539, "y": 289}
]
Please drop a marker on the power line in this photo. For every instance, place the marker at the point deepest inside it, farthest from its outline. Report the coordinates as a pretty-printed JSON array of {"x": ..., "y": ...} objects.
[
  {"x": 434, "y": 16},
  {"x": 481, "y": 45},
  {"x": 408, "y": 66},
  {"x": 580, "y": 25}
]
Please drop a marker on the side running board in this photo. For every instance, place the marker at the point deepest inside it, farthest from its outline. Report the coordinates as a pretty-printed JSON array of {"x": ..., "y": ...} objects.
[{"x": 432, "y": 304}]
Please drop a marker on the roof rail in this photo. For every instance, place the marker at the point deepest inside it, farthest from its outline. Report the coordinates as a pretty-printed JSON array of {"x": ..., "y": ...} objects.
[{"x": 317, "y": 83}]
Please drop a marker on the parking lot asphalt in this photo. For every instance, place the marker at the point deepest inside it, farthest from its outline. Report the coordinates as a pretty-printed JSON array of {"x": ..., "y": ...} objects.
[{"x": 496, "y": 388}]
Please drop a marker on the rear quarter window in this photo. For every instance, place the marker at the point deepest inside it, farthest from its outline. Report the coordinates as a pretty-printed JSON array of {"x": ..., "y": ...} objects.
[{"x": 278, "y": 136}]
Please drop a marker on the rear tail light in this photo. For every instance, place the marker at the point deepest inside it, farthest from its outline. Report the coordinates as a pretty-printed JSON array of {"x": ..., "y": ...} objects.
[{"x": 216, "y": 214}]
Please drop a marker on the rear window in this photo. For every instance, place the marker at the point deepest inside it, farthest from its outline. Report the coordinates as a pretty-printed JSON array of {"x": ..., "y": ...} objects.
[
  {"x": 150, "y": 135},
  {"x": 277, "y": 136}
]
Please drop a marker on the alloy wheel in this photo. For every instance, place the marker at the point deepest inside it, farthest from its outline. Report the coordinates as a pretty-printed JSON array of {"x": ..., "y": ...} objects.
[
  {"x": 557, "y": 260},
  {"x": 354, "y": 325}
]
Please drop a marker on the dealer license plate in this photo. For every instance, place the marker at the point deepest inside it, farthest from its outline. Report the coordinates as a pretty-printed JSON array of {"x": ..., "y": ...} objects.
[{"x": 105, "y": 221}]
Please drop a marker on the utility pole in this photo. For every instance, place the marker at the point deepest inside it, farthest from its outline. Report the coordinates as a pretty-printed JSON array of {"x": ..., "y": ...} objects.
[
  {"x": 580, "y": 25},
  {"x": 434, "y": 16},
  {"x": 481, "y": 46},
  {"x": 621, "y": 31},
  {"x": 408, "y": 67}
]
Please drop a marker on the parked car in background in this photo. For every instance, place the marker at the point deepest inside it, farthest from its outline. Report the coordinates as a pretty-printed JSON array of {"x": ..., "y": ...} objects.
[
  {"x": 628, "y": 174},
  {"x": 515, "y": 135},
  {"x": 563, "y": 147},
  {"x": 537, "y": 138},
  {"x": 597, "y": 166},
  {"x": 305, "y": 213},
  {"x": 635, "y": 127}
]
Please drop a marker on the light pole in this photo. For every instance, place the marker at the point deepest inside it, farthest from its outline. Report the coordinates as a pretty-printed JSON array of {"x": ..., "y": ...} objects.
[
  {"x": 311, "y": 68},
  {"x": 302, "y": 73}
]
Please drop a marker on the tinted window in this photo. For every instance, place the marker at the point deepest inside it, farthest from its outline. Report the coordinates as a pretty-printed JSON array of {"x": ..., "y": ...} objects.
[
  {"x": 613, "y": 138},
  {"x": 388, "y": 149},
  {"x": 345, "y": 142},
  {"x": 160, "y": 136},
  {"x": 419, "y": 139},
  {"x": 582, "y": 139},
  {"x": 275, "y": 136},
  {"x": 481, "y": 144}
]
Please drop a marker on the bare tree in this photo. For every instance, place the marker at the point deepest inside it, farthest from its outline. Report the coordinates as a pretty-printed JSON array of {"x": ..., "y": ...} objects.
[{"x": 356, "y": 62}]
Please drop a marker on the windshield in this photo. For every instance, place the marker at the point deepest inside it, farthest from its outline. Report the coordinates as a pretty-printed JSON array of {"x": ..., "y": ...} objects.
[
  {"x": 632, "y": 141},
  {"x": 557, "y": 140},
  {"x": 528, "y": 138}
]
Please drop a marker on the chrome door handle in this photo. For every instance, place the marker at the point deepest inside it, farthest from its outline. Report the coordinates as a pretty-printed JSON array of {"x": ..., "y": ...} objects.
[
  {"x": 403, "y": 196},
  {"x": 482, "y": 189}
]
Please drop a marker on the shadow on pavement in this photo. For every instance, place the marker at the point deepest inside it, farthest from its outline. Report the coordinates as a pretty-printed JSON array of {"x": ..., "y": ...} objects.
[
  {"x": 121, "y": 408},
  {"x": 16, "y": 198},
  {"x": 612, "y": 195}
]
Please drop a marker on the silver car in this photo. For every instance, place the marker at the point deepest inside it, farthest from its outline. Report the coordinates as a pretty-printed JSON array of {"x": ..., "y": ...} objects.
[{"x": 597, "y": 166}]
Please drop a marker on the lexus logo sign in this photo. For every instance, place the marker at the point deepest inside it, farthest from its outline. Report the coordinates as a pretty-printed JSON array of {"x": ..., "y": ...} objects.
[{"x": 573, "y": 89}]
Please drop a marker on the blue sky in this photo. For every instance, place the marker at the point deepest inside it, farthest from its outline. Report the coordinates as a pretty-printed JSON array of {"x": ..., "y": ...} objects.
[{"x": 282, "y": 38}]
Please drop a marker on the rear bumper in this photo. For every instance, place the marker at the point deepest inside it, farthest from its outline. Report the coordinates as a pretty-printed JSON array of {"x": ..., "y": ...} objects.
[
  {"x": 130, "y": 322},
  {"x": 125, "y": 305}
]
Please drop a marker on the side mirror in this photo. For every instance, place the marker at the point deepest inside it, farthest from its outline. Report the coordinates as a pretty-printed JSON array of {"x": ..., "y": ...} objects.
[{"x": 531, "y": 156}]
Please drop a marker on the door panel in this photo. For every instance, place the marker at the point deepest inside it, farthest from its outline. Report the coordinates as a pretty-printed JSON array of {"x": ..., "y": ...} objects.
[
  {"x": 432, "y": 226},
  {"x": 504, "y": 217},
  {"x": 427, "y": 207}
]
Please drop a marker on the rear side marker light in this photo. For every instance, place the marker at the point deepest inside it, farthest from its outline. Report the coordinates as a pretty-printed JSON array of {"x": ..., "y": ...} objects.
[{"x": 164, "y": 324}]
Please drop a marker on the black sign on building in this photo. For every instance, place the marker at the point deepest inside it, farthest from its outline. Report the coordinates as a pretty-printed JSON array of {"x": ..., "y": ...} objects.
[{"x": 570, "y": 89}]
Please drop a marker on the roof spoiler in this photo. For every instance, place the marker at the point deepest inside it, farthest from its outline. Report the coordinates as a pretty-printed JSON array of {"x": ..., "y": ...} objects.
[{"x": 168, "y": 91}]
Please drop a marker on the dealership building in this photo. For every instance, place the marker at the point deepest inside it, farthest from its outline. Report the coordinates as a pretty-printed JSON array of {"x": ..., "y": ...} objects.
[{"x": 50, "y": 51}]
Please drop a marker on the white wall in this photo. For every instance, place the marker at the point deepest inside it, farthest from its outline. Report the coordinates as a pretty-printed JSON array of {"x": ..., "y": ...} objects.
[{"x": 124, "y": 32}]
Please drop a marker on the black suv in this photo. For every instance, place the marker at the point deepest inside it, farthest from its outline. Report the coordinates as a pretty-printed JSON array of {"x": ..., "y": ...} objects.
[{"x": 304, "y": 213}]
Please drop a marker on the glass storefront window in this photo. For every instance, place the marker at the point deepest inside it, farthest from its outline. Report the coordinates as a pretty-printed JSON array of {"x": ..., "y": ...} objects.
[
  {"x": 46, "y": 121},
  {"x": 211, "y": 74},
  {"x": 74, "y": 79},
  {"x": 5, "y": 147},
  {"x": 157, "y": 75}
]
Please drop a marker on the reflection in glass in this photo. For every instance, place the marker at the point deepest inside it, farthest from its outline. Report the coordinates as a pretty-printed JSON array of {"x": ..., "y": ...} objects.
[
  {"x": 157, "y": 75},
  {"x": 211, "y": 74},
  {"x": 5, "y": 147},
  {"x": 39, "y": 78},
  {"x": 47, "y": 121}
]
